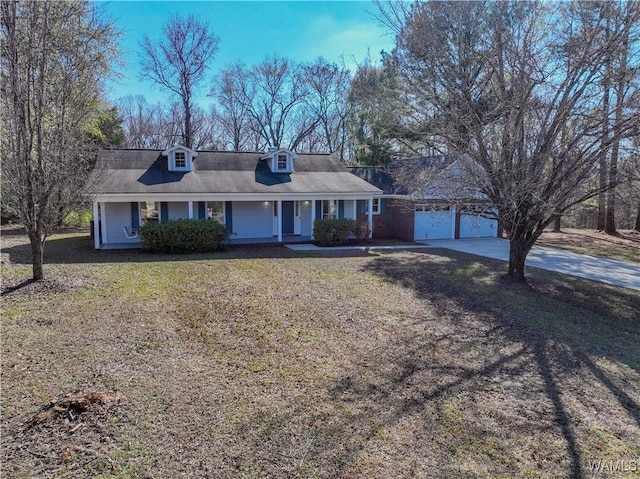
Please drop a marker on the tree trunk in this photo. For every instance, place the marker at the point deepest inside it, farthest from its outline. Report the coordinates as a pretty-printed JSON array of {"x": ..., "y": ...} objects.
[
  {"x": 517, "y": 255},
  {"x": 556, "y": 224},
  {"x": 37, "y": 254},
  {"x": 637, "y": 226},
  {"x": 610, "y": 220},
  {"x": 602, "y": 170},
  {"x": 610, "y": 217},
  {"x": 187, "y": 126}
]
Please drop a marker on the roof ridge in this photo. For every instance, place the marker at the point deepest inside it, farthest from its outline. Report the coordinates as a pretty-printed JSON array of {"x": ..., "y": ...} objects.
[{"x": 160, "y": 150}]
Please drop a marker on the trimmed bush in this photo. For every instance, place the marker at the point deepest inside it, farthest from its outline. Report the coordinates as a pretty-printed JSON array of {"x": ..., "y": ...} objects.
[
  {"x": 333, "y": 232},
  {"x": 183, "y": 236}
]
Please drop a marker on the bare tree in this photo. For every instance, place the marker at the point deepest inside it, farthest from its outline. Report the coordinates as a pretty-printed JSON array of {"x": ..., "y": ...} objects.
[
  {"x": 327, "y": 101},
  {"x": 230, "y": 90},
  {"x": 603, "y": 160},
  {"x": 625, "y": 75},
  {"x": 55, "y": 56},
  {"x": 179, "y": 61},
  {"x": 512, "y": 89},
  {"x": 271, "y": 93},
  {"x": 630, "y": 183},
  {"x": 283, "y": 103},
  {"x": 275, "y": 92},
  {"x": 142, "y": 123}
]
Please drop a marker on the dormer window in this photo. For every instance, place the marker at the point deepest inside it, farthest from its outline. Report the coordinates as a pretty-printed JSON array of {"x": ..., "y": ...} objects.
[
  {"x": 282, "y": 163},
  {"x": 180, "y": 158},
  {"x": 280, "y": 160}
]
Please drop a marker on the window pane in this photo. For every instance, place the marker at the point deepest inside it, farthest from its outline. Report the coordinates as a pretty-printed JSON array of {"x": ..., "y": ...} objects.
[
  {"x": 149, "y": 211},
  {"x": 180, "y": 159},
  {"x": 215, "y": 211},
  {"x": 329, "y": 208}
]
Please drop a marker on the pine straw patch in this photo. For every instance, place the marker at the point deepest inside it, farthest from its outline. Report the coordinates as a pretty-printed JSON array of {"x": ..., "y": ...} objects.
[{"x": 267, "y": 363}]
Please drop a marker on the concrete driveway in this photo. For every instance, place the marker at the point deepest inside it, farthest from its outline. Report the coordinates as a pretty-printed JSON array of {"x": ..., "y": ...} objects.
[{"x": 617, "y": 273}]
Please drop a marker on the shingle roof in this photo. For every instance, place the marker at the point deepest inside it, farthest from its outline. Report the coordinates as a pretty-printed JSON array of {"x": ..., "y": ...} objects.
[
  {"x": 383, "y": 176},
  {"x": 132, "y": 171},
  {"x": 380, "y": 178}
]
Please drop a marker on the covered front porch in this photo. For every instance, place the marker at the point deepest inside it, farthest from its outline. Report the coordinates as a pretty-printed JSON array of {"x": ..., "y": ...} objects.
[
  {"x": 287, "y": 239},
  {"x": 249, "y": 220}
]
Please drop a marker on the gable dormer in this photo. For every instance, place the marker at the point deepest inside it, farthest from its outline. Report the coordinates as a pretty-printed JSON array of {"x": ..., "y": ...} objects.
[
  {"x": 280, "y": 160},
  {"x": 180, "y": 158}
]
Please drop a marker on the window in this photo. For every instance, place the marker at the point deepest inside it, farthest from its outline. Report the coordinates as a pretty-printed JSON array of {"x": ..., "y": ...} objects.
[
  {"x": 215, "y": 211},
  {"x": 149, "y": 211},
  {"x": 376, "y": 206},
  {"x": 329, "y": 209},
  {"x": 432, "y": 208},
  {"x": 282, "y": 162},
  {"x": 180, "y": 159}
]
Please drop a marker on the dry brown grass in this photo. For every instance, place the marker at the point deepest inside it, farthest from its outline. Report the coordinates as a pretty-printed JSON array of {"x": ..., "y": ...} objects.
[
  {"x": 262, "y": 362},
  {"x": 624, "y": 247}
]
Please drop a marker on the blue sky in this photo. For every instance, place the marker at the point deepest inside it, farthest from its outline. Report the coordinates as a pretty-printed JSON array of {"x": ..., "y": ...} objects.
[{"x": 250, "y": 30}]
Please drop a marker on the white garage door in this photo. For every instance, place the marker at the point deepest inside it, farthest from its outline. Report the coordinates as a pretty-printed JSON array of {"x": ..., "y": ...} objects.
[
  {"x": 429, "y": 224},
  {"x": 476, "y": 226}
]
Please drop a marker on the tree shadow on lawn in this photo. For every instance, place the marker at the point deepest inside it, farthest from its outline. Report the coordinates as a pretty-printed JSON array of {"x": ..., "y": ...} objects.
[
  {"x": 80, "y": 250},
  {"x": 560, "y": 322},
  {"x": 489, "y": 380}
]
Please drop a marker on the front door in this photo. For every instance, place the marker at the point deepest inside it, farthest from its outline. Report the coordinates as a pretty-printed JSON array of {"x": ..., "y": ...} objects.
[{"x": 287, "y": 218}]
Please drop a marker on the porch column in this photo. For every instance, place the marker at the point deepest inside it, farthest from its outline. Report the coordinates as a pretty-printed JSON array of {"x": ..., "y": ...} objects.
[
  {"x": 452, "y": 209},
  {"x": 279, "y": 221},
  {"x": 103, "y": 222},
  {"x": 190, "y": 210},
  {"x": 313, "y": 216},
  {"x": 96, "y": 225},
  {"x": 370, "y": 217}
]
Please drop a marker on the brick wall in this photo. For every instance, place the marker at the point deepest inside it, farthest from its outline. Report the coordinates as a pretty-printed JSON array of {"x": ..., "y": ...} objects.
[{"x": 395, "y": 222}]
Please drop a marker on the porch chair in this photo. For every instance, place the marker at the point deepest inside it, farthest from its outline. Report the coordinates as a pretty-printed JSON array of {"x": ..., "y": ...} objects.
[{"x": 130, "y": 233}]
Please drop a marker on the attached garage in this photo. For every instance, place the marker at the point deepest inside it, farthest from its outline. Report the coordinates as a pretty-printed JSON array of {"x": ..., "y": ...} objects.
[
  {"x": 474, "y": 225},
  {"x": 432, "y": 223}
]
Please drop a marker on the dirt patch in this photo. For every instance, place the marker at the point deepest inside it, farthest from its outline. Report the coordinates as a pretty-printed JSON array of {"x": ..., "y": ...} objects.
[
  {"x": 68, "y": 432},
  {"x": 49, "y": 285},
  {"x": 89, "y": 405}
]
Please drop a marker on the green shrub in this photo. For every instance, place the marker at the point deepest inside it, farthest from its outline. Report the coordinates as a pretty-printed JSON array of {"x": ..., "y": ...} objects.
[
  {"x": 183, "y": 236},
  {"x": 333, "y": 232}
]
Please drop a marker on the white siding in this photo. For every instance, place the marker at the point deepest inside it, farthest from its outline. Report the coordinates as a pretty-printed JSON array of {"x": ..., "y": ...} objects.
[
  {"x": 179, "y": 210},
  {"x": 118, "y": 216},
  {"x": 306, "y": 227},
  {"x": 252, "y": 219}
]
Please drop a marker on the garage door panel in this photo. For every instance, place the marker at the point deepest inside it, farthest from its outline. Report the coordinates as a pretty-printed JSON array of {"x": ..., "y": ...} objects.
[
  {"x": 432, "y": 225},
  {"x": 476, "y": 226}
]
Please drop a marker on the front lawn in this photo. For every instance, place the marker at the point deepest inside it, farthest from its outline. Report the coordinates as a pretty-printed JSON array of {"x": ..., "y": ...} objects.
[{"x": 268, "y": 363}]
